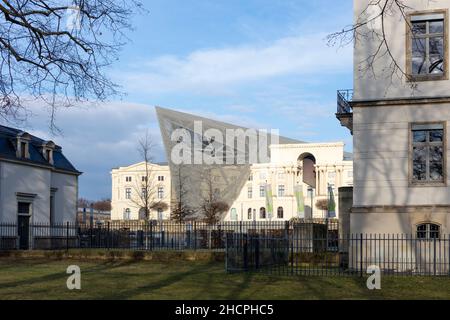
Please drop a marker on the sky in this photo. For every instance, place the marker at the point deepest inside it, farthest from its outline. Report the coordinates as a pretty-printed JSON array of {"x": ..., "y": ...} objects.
[{"x": 257, "y": 63}]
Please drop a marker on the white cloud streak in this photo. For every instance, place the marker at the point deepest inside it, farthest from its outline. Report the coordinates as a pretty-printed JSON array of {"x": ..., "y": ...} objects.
[{"x": 221, "y": 69}]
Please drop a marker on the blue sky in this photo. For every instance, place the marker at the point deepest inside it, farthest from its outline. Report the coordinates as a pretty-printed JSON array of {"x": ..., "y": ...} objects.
[{"x": 256, "y": 63}]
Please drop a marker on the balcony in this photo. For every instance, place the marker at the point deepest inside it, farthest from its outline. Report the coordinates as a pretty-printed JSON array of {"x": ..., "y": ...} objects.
[{"x": 344, "y": 108}]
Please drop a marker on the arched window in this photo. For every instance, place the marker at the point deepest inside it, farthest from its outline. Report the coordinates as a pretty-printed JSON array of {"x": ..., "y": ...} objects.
[
  {"x": 262, "y": 213},
  {"x": 280, "y": 213},
  {"x": 127, "y": 214},
  {"x": 428, "y": 231},
  {"x": 249, "y": 214}
]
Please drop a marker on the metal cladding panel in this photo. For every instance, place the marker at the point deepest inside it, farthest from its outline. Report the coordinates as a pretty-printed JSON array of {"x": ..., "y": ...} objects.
[{"x": 199, "y": 179}]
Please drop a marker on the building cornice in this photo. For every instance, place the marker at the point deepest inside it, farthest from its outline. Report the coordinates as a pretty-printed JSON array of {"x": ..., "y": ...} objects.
[
  {"x": 308, "y": 145},
  {"x": 399, "y": 101},
  {"x": 401, "y": 209},
  {"x": 41, "y": 166}
]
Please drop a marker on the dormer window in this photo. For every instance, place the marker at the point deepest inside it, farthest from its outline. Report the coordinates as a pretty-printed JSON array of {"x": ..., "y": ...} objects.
[
  {"x": 23, "y": 149},
  {"x": 22, "y": 143},
  {"x": 47, "y": 151},
  {"x": 428, "y": 46}
]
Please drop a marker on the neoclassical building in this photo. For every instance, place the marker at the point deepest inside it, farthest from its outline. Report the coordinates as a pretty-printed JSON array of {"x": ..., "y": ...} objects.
[
  {"x": 127, "y": 187},
  {"x": 400, "y": 123},
  {"x": 313, "y": 167},
  {"x": 284, "y": 185}
]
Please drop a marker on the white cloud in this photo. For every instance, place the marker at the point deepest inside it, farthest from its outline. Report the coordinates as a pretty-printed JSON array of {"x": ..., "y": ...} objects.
[{"x": 211, "y": 70}]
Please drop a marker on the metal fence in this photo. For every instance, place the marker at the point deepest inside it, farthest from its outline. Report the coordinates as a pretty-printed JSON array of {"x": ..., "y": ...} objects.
[
  {"x": 140, "y": 235},
  {"x": 308, "y": 250}
]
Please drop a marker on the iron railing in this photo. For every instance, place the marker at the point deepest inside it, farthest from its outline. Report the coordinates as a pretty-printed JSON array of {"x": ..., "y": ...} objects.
[
  {"x": 140, "y": 235},
  {"x": 309, "y": 252},
  {"x": 344, "y": 99}
]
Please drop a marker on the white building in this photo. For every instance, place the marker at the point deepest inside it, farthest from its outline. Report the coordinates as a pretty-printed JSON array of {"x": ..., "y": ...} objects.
[
  {"x": 127, "y": 185},
  {"x": 37, "y": 182},
  {"x": 400, "y": 124},
  {"x": 312, "y": 166},
  {"x": 293, "y": 165}
]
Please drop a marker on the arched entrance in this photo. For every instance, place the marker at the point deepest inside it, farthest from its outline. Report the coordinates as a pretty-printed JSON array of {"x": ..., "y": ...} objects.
[{"x": 307, "y": 162}]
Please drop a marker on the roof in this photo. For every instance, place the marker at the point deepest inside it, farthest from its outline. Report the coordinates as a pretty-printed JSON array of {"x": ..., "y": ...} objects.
[{"x": 8, "y": 151}]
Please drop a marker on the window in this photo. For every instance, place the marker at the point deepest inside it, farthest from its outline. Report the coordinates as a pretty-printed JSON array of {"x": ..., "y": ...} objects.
[
  {"x": 127, "y": 214},
  {"x": 280, "y": 213},
  {"x": 250, "y": 178},
  {"x": 144, "y": 179},
  {"x": 48, "y": 155},
  {"x": 262, "y": 213},
  {"x": 128, "y": 193},
  {"x": 234, "y": 215},
  {"x": 262, "y": 191},
  {"x": 24, "y": 208},
  {"x": 428, "y": 231},
  {"x": 428, "y": 33},
  {"x": 23, "y": 149},
  {"x": 281, "y": 190},
  {"x": 160, "y": 214},
  {"x": 249, "y": 214},
  {"x": 127, "y": 179},
  {"x": 160, "y": 192},
  {"x": 160, "y": 178},
  {"x": 249, "y": 192},
  {"x": 428, "y": 153},
  {"x": 144, "y": 193}
]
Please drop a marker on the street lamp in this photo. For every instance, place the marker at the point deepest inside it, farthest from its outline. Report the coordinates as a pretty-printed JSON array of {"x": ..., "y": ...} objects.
[{"x": 311, "y": 196}]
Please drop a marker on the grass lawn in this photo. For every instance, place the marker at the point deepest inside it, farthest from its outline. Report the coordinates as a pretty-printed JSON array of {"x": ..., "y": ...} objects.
[{"x": 44, "y": 279}]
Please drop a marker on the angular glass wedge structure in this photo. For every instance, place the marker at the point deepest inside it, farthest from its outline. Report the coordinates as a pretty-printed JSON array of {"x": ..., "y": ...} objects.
[{"x": 211, "y": 160}]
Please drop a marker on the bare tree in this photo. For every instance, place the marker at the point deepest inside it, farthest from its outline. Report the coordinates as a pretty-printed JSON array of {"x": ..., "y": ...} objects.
[
  {"x": 212, "y": 206},
  {"x": 145, "y": 195},
  {"x": 181, "y": 211},
  {"x": 103, "y": 205},
  {"x": 376, "y": 13},
  {"x": 83, "y": 203},
  {"x": 56, "y": 51}
]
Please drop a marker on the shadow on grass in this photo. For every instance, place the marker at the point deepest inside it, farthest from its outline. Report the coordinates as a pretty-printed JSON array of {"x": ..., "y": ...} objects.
[
  {"x": 61, "y": 275},
  {"x": 159, "y": 284}
]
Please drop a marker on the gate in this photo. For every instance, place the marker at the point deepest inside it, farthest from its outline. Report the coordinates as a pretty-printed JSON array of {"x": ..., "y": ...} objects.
[{"x": 252, "y": 252}]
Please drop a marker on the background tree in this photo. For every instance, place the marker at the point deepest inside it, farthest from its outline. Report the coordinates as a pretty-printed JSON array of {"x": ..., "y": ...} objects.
[
  {"x": 103, "y": 205},
  {"x": 181, "y": 210},
  {"x": 83, "y": 203},
  {"x": 56, "y": 51},
  {"x": 145, "y": 195},
  {"x": 371, "y": 25},
  {"x": 322, "y": 204},
  {"x": 212, "y": 206}
]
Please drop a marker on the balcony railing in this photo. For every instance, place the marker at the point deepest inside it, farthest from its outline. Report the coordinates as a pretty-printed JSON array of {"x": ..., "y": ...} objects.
[{"x": 344, "y": 99}]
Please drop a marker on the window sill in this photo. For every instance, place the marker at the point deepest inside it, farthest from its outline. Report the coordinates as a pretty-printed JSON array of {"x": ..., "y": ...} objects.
[
  {"x": 427, "y": 184},
  {"x": 423, "y": 78}
]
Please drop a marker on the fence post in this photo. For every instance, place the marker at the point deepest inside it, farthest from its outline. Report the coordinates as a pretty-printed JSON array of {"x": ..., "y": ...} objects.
[
  {"x": 108, "y": 238},
  {"x": 361, "y": 255},
  {"x": 195, "y": 235},
  {"x": 151, "y": 235},
  {"x": 67, "y": 236}
]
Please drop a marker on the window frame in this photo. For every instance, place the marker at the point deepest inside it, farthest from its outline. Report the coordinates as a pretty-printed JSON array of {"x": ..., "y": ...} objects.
[
  {"x": 281, "y": 191},
  {"x": 428, "y": 231},
  {"x": 128, "y": 193},
  {"x": 280, "y": 209},
  {"x": 160, "y": 193},
  {"x": 414, "y": 183},
  {"x": 426, "y": 77}
]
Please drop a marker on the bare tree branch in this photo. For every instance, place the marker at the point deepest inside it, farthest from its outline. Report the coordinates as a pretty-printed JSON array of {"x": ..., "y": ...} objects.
[{"x": 57, "y": 53}]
